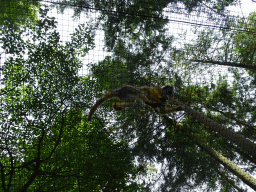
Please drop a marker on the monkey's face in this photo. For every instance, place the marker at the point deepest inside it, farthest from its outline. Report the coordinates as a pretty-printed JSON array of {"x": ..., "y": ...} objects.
[{"x": 169, "y": 90}]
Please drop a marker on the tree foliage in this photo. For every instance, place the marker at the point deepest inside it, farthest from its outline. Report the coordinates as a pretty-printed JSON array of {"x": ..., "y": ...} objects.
[
  {"x": 201, "y": 147},
  {"x": 46, "y": 142},
  {"x": 188, "y": 163},
  {"x": 18, "y": 12},
  {"x": 245, "y": 40}
]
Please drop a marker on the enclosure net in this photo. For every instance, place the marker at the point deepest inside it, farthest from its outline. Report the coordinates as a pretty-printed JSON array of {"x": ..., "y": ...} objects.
[{"x": 85, "y": 106}]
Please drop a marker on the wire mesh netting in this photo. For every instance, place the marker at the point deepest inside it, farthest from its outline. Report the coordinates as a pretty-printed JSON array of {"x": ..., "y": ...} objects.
[{"x": 127, "y": 95}]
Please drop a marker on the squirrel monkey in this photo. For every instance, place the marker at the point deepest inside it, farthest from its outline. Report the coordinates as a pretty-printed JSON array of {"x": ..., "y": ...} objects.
[{"x": 154, "y": 97}]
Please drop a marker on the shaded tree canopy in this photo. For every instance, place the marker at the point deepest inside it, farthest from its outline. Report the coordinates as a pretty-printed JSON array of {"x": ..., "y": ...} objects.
[{"x": 209, "y": 146}]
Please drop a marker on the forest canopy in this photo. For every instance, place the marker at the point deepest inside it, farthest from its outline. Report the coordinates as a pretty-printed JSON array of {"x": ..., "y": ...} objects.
[{"x": 59, "y": 57}]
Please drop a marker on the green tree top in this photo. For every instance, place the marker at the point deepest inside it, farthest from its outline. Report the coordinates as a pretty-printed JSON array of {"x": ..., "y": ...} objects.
[{"x": 18, "y": 11}]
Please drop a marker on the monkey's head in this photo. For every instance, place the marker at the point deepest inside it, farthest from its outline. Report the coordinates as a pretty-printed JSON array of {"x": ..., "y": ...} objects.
[{"x": 169, "y": 90}]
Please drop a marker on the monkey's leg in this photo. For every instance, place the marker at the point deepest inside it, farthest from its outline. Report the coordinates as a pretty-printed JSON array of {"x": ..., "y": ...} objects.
[
  {"x": 167, "y": 110},
  {"x": 121, "y": 105},
  {"x": 154, "y": 104}
]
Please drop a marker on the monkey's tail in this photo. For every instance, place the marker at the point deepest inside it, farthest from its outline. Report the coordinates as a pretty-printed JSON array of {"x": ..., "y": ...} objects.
[{"x": 100, "y": 101}]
